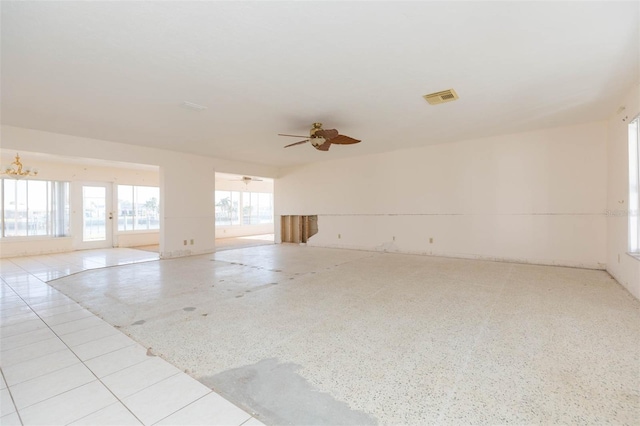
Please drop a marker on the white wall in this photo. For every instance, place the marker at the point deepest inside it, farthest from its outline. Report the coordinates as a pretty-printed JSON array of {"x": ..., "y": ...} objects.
[
  {"x": 534, "y": 197},
  {"x": 624, "y": 268},
  {"x": 187, "y": 181},
  {"x": 244, "y": 230}
]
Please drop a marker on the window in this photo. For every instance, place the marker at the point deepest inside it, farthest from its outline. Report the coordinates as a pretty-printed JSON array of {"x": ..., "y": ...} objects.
[
  {"x": 34, "y": 207},
  {"x": 256, "y": 208},
  {"x": 138, "y": 208},
  {"x": 634, "y": 185},
  {"x": 227, "y": 208},
  {"x": 265, "y": 208}
]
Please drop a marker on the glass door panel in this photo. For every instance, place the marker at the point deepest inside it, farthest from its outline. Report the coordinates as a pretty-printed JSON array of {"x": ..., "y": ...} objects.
[{"x": 96, "y": 215}]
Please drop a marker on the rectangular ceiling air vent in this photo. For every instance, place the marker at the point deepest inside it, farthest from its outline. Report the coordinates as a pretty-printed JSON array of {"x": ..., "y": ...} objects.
[{"x": 441, "y": 97}]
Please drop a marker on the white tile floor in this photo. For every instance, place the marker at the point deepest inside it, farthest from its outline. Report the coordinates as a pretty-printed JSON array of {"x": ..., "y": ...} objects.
[{"x": 63, "y": 365}]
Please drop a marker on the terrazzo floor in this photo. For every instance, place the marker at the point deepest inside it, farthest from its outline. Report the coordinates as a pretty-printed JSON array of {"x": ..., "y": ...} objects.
[
  {"x": 243, "y": 242},
  {"x": 60, "y": 364},
  {"x": 306, "y": 335}
]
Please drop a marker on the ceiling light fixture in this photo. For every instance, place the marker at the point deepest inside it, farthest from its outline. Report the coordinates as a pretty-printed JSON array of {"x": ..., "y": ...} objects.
[{"x": 17, "y": 170}]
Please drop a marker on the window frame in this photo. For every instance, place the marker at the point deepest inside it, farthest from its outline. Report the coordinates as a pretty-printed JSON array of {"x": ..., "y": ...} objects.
[
  {"x": 119, "y": 231},
  {"x": 57, "y": 225},
  {"x": 242, "y": 204},
  {"x": 634, "y": 187}
]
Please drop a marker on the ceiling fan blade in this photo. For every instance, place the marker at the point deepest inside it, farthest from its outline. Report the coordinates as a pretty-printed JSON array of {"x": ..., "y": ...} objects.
[
  {"x": 344, "y": 140},
  {"x": 328, "y": 134},
  {"x": 324, "y": 146},
  {"x": 297, "y": 143},
  {"x": 293, "y": 136}
]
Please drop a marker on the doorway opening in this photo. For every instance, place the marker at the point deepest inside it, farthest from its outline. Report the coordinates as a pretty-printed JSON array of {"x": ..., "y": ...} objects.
[
  {"x": 244, "y": 211},
  {"x": 97, "y": 216}
]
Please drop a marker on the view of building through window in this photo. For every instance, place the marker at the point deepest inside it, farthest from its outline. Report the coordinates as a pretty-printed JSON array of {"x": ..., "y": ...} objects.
[
  {"x": 243, "y": 208},
  {"x": 34, "y": 207},
  {"x": 138, "y": 208}
]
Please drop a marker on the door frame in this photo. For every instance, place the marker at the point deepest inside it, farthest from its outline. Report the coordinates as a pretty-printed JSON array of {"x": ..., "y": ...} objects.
[{"x": 77, "y": 216}]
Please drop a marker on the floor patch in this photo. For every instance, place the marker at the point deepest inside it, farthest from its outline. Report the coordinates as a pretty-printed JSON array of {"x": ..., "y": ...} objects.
[
  {"x": 189, "y": 309},
  {"x": 282, "y": 396}
]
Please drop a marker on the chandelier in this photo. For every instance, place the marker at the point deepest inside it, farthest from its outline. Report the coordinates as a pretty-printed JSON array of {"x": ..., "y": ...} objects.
[{"x": 17, "y": 170}]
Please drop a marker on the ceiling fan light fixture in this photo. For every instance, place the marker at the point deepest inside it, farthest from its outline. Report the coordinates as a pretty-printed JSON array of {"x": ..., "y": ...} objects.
[
  {"x": 317, "y": 140},
  {"x": 321, "y": 139}
]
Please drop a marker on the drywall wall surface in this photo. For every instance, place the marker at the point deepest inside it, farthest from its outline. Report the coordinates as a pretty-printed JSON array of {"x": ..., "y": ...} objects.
[
  {"x": 137, "y": 239},
  {"x": 18, "y": 138},
  {"x": 189, "y": 219},
  {"x": 243, "y": 230},
  {"x": 623, "y": 267},
  {"x": 35, "y": 245},
  {"x": 253, "y": 186},
  {"x": 187, "y": 181},
  {"x": 74, "y": 172},
  {"x": 534, "y": 197}
]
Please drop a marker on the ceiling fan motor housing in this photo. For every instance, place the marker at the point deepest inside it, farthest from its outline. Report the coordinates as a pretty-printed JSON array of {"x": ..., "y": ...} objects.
[
  {"x": 316, "y": 140},
  {"x": 312, "y": 133}
]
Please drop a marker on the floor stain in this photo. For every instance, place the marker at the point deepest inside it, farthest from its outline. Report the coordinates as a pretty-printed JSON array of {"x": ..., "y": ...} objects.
[
  {"x": 140, "y": 322},
  {"x": 279, "y": 395},
  {"x": 189, "y": 309}
]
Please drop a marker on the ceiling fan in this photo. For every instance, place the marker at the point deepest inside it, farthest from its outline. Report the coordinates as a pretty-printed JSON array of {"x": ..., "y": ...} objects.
[
  {"x": 247, "y": 179},
  {"x": 322, "y": 139}
]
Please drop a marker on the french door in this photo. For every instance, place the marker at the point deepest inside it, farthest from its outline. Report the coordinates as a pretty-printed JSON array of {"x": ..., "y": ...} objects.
[{"x": 95, "y": 216}]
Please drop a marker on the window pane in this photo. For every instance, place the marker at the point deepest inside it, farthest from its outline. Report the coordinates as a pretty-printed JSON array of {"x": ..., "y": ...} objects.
[
  {"x": 38, "y": 207},
  {"x": 235, "y": 208},
  {"x": 93, "y": 201},
  {"x": 223, "y": 208},
  {"x": 16, "y": 208},
  {"x": 254, "y": 217},
  {"x": 138, "y": 207},
  {"x": 147, "y": 207},
  {"x": 265, "y": 213},
  {"x": 125, "y": 207},
  {"x": 34, "y": 207},
  {"x": 243, "y": 208},
  {"x": 634, "y": 186},
  {"x": 59, "y": 209}
]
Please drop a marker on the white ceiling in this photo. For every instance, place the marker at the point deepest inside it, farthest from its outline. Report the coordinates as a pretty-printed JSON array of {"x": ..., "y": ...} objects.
[{"x": 119, "y": 71}]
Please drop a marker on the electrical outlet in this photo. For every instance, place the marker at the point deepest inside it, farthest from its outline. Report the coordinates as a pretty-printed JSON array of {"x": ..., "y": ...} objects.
[
  {"x": 184, "y": 242},
  {"x": 339, "y": 236},
  {"x": 430, "y": 240},
  {"x": 191, "y": 242},
  {"x": 394, "y": 238}
]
